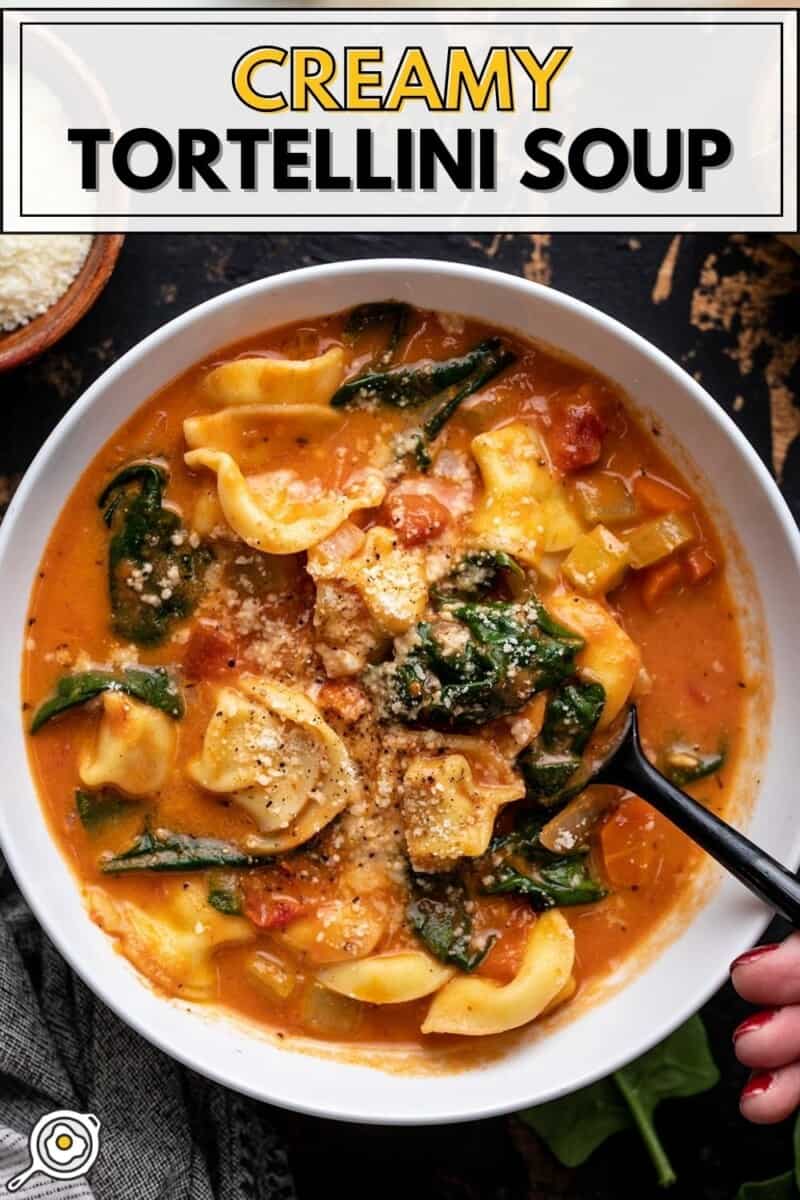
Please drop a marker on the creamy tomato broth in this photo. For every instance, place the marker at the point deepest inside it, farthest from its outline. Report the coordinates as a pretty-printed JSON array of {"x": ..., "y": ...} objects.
[{"x": 317, "y": 654}]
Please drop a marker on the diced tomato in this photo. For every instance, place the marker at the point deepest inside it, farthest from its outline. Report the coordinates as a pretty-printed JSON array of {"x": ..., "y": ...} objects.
[
  {"x": 658, "y": 581},
  {"x": 512, "y": 921},
  {"x": 576, "y": 436},
  {"x": 209, "y": 652},
  {"x": 631, "y": 843},
  {"x": 348, "y": 700},
  {"x": 698, "y": 565},
  {"x": 660, "y": 496},
  {"x": 415, "y": 516},
  {"x": 270, "y": 911}
]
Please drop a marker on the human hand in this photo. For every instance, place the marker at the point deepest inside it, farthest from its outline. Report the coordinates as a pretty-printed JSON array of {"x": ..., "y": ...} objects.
[{"x": 769, "y": 1040}]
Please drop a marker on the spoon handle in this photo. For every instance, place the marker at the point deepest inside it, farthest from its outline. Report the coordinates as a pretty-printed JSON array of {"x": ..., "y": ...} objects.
[{"x": 756, "y": 869}]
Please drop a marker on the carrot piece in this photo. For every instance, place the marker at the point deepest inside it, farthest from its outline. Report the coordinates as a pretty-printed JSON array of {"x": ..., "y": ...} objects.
[
  {"x": 631, "y": 844},
  {"x": 512, "y": 922},
  {"x": 699, "y": 564},
  {"x": 657, "y": 581},
  {"x": 660, "y": 496}
]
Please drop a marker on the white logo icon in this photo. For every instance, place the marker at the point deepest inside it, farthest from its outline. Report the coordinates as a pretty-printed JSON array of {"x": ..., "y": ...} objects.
[{"x": 63, "y": 1145}]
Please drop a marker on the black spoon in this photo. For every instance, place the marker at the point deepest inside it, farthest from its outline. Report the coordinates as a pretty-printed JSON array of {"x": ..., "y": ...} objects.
[{"x": 626, "y": 766}]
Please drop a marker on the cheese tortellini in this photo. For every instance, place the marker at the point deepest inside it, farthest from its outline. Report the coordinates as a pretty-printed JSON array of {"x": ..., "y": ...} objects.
[
  {"x": 133, "y": 748},
  {"x": 267, "y": 747},
  {"x": 610, "y": 656},
  {"x": 277, "y": 512},
  {"x": 393, "y": 978},
  {"x": 174, "y": 944},
  {"x": 447, "y": 815},
  {"x": 260, "y": 380},
  {"x": 474, "y": 1007},
  {"x": 243, "y": 431},
  {"x": 390, "y": 577},
  {"x": 524, "y": 510}
]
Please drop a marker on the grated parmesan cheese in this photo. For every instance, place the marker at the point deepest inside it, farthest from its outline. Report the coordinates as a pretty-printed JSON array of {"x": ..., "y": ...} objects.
[{"x": 35, "y": 271}]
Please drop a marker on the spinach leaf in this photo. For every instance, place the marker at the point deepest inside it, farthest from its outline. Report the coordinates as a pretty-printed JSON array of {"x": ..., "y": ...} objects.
[
  {"x": 782, "y": 1187},
  {"x": 574, "y": 1126},
  {"x": 684, "y": 764},
  {"x": 475, "y": 577},
  {"x": 517, "y": 863},
  {"x": 499, "y": 658},
  {"x": 225, "y": 894},
  {"x": 161, "y": 850},
  {"x": 550, "y": 762},
  {"x": 390, "y": 313},
  {"x": 155, "y": 574},
  {"x": 413, "y": 386},
  {"x": 495, "y": 361},
  {"x": 152, "y": 685},
  {"x": 96, "y": 808},
  {"x": 439, "y": 917}
]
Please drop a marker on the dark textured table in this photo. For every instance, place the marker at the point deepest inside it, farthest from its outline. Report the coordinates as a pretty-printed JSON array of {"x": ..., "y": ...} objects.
[{"x": 726, "y": 309}]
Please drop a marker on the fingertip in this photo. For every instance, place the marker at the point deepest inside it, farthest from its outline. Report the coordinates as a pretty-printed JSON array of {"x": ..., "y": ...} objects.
[{"x": 770, "y": 1096}]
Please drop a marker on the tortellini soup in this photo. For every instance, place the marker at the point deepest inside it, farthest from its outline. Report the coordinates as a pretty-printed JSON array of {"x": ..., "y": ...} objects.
[{"x": 320, "y": 653}]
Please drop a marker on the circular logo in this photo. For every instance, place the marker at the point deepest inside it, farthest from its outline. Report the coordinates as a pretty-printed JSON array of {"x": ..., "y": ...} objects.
[{"x": 62, "y": 1145}]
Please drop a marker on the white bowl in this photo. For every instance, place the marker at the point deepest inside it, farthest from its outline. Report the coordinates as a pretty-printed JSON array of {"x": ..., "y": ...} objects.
[{"x": 671, "y": 984}]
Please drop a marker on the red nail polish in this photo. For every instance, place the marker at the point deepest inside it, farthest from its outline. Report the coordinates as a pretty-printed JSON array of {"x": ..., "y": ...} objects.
[
  {"x": 751, "y": 955},
  {"x": 758, "y": 1083},
  {"x": 756, "y": 1021}
]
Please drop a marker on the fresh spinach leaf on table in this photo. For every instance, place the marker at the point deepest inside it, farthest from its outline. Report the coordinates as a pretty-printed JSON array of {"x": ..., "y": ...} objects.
[
  {"x": 155, "y": 573},
  {"x": 575, "y": 1125},
  {"x": 782, "y": 1187}
]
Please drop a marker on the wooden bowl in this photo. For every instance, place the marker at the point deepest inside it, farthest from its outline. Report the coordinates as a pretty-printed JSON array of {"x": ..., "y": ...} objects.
[{"x": 22, "y": 344}]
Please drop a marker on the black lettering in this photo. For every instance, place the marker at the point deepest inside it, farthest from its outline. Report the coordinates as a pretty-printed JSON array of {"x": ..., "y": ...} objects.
[
  {"x": 285, "y": 159},
  {"x": 700, "y": 160},
  {"x": 641, "y": 160},
  {"x": 248, "y": 141},
  {"x": 405, "y": 160},
  {"x": 487, "y": 160},
  {"x": 542, "y": 158},
  {"x": 198, "y": 150},
  {"x": 123, "y": 149},
  {"x": 577, "y": 159},
  {"x": 434, "y": 152},
  {"x": 366, "y": 181},
  {"x": 325, "y": 181},
  {"x": 89, "y": 140}
]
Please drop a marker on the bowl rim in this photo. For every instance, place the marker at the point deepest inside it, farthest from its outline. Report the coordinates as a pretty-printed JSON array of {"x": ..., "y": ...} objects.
[
  {"x": 43, "y": 331},
  {"x": 347, "y": 1108}
]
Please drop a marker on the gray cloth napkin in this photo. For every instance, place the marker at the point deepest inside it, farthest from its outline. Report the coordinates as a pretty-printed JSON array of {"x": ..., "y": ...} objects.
[{"x": 167, "y": 1134}]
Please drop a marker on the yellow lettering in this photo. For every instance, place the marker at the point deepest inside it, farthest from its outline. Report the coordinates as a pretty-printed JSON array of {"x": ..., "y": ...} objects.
[
  {"x": 243, "y": 76},
  {"x": 494, "y": 76},
  {"x": 312, "y": 70},
  {"x": 541, "y": 75},
  {"x": 359, "y": 78},
  {"x": 413, "y": 80}
]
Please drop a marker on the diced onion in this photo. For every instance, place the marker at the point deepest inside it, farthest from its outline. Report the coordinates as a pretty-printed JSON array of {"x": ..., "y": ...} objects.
[{"x": 569, "y": 829}]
